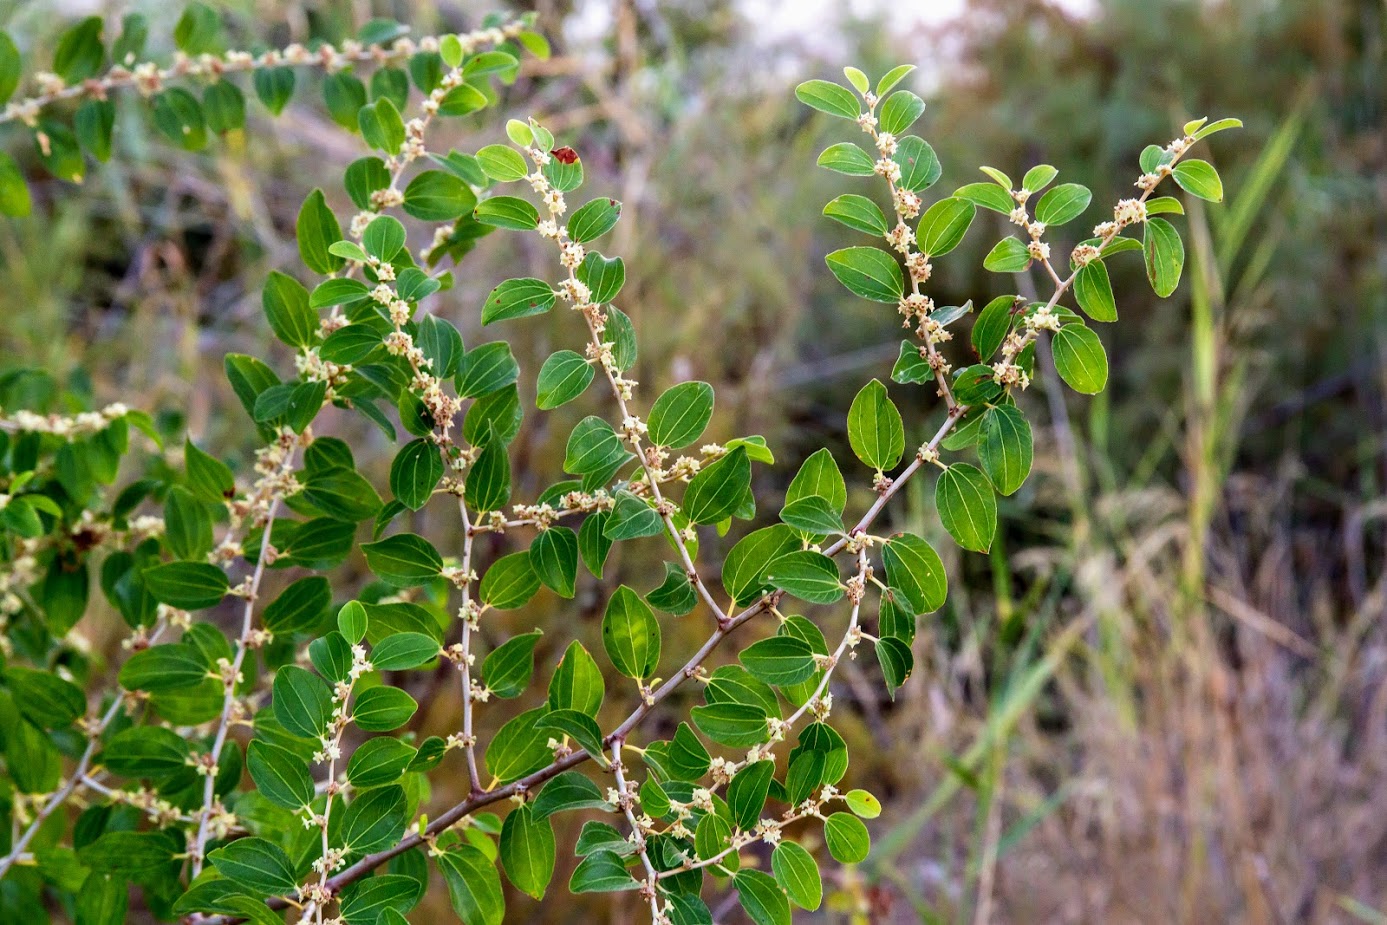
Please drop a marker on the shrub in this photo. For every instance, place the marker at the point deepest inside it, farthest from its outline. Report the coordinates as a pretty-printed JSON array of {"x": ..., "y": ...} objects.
[{"x": 232, "y": 775}]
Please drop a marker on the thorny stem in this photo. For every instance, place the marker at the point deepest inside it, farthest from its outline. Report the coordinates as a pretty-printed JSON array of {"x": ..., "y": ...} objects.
[
  {"x": 465, "y": 662},
  {"x": 627, "y": 800},
  {"x": 630, "y": 426},
  {"x": 231, "y": 676},
  {"x": 850, "y": 639},
  {"x": 148, "y": 78}
]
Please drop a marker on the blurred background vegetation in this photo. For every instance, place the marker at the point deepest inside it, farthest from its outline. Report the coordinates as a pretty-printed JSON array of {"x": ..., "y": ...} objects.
[{"x": 1163, "y": 696}]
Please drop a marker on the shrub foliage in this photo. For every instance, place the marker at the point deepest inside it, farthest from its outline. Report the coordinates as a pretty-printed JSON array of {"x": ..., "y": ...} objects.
[{"x": 254, "y": 752}]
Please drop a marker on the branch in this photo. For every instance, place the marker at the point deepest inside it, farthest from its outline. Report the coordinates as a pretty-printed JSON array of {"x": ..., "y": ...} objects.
[{"x": 148, "y": 78}]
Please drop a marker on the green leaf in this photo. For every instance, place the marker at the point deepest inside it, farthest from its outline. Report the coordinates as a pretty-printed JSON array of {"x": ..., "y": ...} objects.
[
  {"x": 507, "y": 212},
  {"x": 224, "y": 106},
  {"x": 187, "y": 524},
  {"x": 486, "y": 368},
  {"x": 1165, "y": 256},
  {"x": 47, "y": 700},
  {"x": 509, "y": 667},
  {"x": 474, "y": 886},
  {"x": 317, "y": 230},
  {"x": 899, "y": 112},
  {"x": 1005, "y": 448},
  {"x": 819, "y": 476},
  {"x": 875, "y": 430},
  {"x": 869, "y": 272},
  {"x": 437, "y": 195},
  {"x": 15, "y": 200},
  {"x": 675, "y": 595},
  {"x": 380, "y": 900},
  {"x": 897, "y": 661},
  {"x": 554, "y": 555},
  {"x": 814, "y": 515},
  {"x": 1161, "y": 205},
  {"x": 257, "y": 864},
  {"x": 1038, "y": 177},
  {"x": 828, "y": 97},
  {"x": 847, "y": 158},
  {"x": 1199, "y": 178},
  {"x": 95, "y": 121},
  {"x": 808, "y": 575},
  {"x": 286, "y": 307},
  {"x": 593, "y": 219},
  {"x": 893, "y": 77},
  {"x": 510, "y": 582},
  {"x": 920, "y": 166},
  {"x": 179, "y": 115},
  {"x": 943, "y": 226},
  {"x": 279, "y": 775},
  {"x": 744, "y": 571},
  {"x": 384, "y": 238},
  {"x": 1080, "y": 359},
  {"x": 129, "y": 852},
  {"x": 562, "y": 378},
  {"x": 415, "y": 472},
  {"x": 631, "y": 635},
  {"x": 378, "y": 762},
  {"x": 186, "y": 585},
  {"x": 914, "y": 568},
  {"x": 298, "y": 606},
  {"x": 488, "y": 483},
  {"x": 780, "y": 660},
  {"x": 275, "y": 87},
  {"x": 79, "y": 54},
  {"x": 1008, "y": 256},
  {"x": 858, "y": 213},
  {"x": 502, "y": 163},
  {"x": 601, "y": 872},
  {"x": 746, "y": 795},
  {"x": 1217, "y": 126},
  {"x": 1062, "y": 204},
  {"x": 302, "y": 701},
  {"x": 343, "y": 494},
  {"x": 847, "y": 838},
  {"x": 580, "y": 727},
  {"x": 716, "y": 492},
  {"x": 374, "y": 820},
  {"x": 988, "y": 195},
  {"x": 528, "y": 851},
  {"x": 577, "y": 682},
  {"x": 520, "y": 747},
  {"x": 199, "y": 31},
  {"x": 382, "y": 126},
  {"x": 967, "y": 506},
  {"x": 405, "y": 559},
  {"x": 1093, "y": 291},
  {"x": 680, "y": 415},
  {"x": 911, "y": 367},
  {"x": 603, "y": 276},
  {"x": 353, "y": 621},
  {"x": 382, "y": 709},
  {"x": 462, "y": 100},
  {"x": 798, "y": 875},
  {"x": 163, "y": 668},
  {"x": 518, "y": 298},
  {"x": 568, "y": 791},
  {"x": 402, "y": 651},
  {"x": 11, "y": 67},
  {"x": 762, "y": 898}
]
